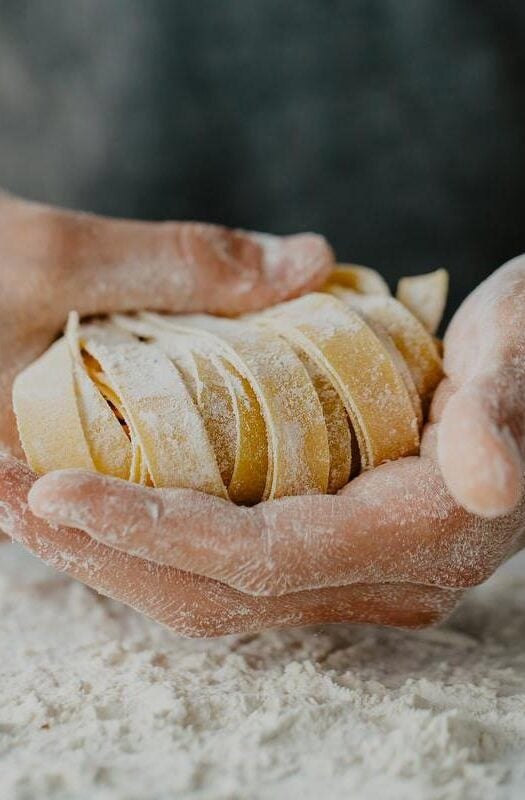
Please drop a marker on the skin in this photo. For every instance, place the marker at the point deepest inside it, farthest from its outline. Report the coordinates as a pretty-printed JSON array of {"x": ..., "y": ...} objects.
[{"x": 397, "y": 546}]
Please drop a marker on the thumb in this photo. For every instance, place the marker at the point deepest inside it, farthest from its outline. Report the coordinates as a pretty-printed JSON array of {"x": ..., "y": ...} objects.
[
  {"x": 120, "y": 265},
  {"x": 481, "y": 442}
]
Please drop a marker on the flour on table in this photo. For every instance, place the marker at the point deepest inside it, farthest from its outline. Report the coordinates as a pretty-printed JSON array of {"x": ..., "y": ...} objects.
[{"x": 98, "y": 703}]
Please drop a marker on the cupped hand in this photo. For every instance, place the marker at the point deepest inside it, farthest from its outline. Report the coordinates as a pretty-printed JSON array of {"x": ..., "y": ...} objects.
[
  {"x": 188, "y": 603},
  {"x": 397, "y": 546},
  {"x": 53, "y": 261}
]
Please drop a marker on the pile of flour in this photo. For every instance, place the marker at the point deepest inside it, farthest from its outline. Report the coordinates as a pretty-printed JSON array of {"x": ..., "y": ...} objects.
[{"x": 99, "y": 703}]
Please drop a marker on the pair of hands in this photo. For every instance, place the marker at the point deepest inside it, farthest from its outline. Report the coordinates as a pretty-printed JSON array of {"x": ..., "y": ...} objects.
[{"x": 397, "y": 546}]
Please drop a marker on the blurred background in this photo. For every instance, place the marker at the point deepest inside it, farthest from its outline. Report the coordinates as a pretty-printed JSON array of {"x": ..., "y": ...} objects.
[{"x": 396, "y": 129}]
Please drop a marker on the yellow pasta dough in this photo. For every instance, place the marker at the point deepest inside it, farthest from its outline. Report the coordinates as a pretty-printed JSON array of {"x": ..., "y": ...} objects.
[
  {"x": 360, "y": 367},
  {"x": 425, "y": 296},
  {"x": 294, "y": 400},
  {"x": 46, "y": 408},
  {"x": 250, "y": 466},
  {"x": 173, "y": 440},
  {"x": 360, "y": 279},
  {"x": 298, "y": 455},
  {"x": 338, "y": 426},
  {"x": 108, "y": 443},
  {"x": 417, "y": 347}
]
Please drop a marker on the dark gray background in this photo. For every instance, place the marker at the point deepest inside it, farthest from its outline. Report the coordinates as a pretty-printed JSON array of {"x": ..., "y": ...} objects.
[{"x": 394, "y": 127}]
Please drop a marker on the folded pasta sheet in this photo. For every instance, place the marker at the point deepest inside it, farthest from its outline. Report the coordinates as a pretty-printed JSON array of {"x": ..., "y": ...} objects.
[{"x": 294, "y": 400}]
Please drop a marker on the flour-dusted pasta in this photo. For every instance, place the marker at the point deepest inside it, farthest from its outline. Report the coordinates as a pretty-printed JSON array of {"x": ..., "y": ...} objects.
[
  {"x": 360, "y": 368},
  {"x": 417, "y": 347},
  {"x": 293, "y": 400}
]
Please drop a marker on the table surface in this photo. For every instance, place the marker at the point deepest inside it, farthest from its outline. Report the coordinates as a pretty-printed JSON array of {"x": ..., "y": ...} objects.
[{"x": 97, "y": 702}]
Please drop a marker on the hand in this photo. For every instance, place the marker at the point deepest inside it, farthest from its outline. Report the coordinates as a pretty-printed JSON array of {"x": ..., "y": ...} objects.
[
  {"x": 53, "y": 261},
  {"x": 360, "y": 556},
  {"x": 190, "y": 604}
]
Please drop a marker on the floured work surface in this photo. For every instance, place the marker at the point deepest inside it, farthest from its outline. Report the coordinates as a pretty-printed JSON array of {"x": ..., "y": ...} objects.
[{"x": 100, "y": 703}]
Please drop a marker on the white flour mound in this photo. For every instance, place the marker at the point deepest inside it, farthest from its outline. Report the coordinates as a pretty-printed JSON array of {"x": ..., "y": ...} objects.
[{"x": 99, "y": 703}]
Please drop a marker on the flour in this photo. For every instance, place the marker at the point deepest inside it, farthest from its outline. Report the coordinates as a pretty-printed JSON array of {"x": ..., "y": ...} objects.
[{"x": 98, "y": 703}]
